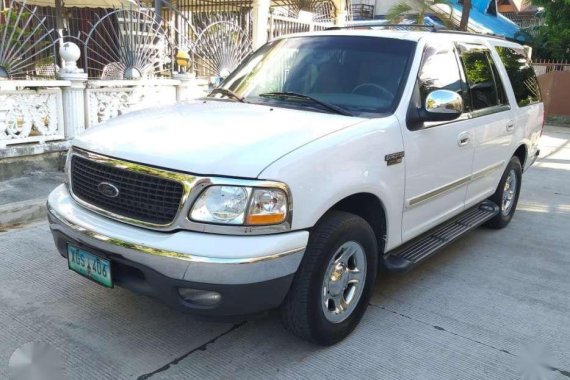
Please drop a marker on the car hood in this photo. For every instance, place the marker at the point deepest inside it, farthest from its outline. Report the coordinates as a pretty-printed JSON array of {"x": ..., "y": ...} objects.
[{"x": 210, "y": 137}]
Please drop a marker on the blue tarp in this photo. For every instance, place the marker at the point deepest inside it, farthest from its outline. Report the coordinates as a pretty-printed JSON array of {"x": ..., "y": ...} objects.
[{"x": 484, "y": 14}]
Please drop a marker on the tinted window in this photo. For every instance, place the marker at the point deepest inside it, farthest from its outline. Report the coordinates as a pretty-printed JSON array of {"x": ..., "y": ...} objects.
[
  {"x": 439, "y": 70},
  {"x": 521, "y": 75},
  {"x": 363, "y": 75},
  {"x": 484, "y": 84}
]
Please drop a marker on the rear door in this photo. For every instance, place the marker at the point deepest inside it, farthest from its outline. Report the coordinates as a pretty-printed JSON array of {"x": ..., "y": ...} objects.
[
  {"x": 438, "y": 156},
  {"x": 525, "y": 99},
  {"x": 493, "y": 118}
]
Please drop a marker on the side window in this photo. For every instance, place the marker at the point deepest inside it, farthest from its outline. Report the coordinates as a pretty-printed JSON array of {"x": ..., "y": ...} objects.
[
  {"x": 439, "y": 70},
  {"x": 483, "y": 80},
  {"x": 521, "y": 75}
]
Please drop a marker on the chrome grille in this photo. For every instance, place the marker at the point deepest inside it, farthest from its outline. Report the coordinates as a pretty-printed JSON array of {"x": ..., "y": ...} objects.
[{"x": 141, "y": 197}]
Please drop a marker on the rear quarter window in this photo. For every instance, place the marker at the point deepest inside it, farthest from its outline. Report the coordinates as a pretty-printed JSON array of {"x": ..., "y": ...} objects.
[{"x": 521, "y": 74}]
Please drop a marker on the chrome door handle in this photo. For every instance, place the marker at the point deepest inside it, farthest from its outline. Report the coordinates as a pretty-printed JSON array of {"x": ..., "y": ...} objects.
[
  {"x": 463, "y": 139},
  {"x": 510, "y": 127}
]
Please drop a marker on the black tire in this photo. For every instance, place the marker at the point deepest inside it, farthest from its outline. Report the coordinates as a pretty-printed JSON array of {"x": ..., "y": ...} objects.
[
  {"x": 502, "y": 219},
  {"x": 302, "y": 311}
]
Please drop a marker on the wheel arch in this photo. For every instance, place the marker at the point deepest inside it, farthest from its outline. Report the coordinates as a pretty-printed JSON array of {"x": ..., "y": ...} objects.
[
  {"x": 370, "y": 208},
  {"x": 522, "y": 153}
]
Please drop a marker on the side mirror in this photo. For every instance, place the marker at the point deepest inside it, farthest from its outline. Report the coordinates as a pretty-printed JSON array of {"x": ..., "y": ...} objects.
[{"x": 442, "y": 105}]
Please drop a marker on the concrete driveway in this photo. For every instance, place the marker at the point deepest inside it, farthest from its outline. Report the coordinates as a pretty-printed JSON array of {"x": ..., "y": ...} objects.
[{"x": 494, "y": 305}]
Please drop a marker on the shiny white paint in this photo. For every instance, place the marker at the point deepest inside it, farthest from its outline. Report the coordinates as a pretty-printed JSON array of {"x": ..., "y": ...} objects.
[
  {"x": 342, "y": 164},
  {"x": 325, "y": 158},
  {"x": 214, "y": 137}
]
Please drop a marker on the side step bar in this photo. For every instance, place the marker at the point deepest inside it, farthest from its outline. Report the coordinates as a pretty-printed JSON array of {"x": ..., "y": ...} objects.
[{"x": 424, "y": 246}]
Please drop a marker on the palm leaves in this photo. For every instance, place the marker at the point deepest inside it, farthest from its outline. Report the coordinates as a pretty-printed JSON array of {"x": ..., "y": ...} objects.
[{"x": 398, "y": 12}]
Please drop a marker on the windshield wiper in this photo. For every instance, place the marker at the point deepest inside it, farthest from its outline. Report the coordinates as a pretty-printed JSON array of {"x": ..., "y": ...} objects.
[
  {"x": 225, "y": 91},
  {"x": 288, "y": 94}
]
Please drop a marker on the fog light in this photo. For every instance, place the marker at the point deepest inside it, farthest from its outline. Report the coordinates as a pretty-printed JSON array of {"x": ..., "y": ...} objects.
[{"x": 200, "y": 297}]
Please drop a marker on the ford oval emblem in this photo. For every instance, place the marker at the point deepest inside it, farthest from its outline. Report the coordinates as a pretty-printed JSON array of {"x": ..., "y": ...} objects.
[{"x": 108, "y": 189}]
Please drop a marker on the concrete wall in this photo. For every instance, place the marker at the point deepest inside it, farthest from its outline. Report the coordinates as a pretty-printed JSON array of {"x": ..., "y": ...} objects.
[{"x": 555, "y": 89}]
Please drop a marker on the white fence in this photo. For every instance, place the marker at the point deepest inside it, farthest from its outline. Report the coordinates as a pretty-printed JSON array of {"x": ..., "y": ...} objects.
[
  {"x": 37, "y": 112},
  {"x": 31, "y": 111},
  {"x": 109, "y": 99}
]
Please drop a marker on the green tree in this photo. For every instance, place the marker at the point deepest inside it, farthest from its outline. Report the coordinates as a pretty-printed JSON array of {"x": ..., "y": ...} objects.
[
  {"x": 553, "y": 38},
  {"x": 400, "y": 10}
]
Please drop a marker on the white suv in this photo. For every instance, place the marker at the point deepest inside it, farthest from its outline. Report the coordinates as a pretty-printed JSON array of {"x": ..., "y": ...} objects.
[{"x": 321, "y": 158}]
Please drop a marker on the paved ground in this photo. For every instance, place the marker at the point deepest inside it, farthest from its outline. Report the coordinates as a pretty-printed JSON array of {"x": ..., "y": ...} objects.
[
  {"x": 478, "y": 310},
  {"x": 34, "y": 185}
]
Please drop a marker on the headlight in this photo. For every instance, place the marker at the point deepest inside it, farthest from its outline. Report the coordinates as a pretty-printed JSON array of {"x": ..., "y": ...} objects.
[
  {"x": 240, "y": 205},
  {"x": 221, "y": 204}
]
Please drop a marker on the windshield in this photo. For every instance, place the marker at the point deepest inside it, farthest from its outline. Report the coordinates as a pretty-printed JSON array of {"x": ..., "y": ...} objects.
[{"x": 363, "y": 76}]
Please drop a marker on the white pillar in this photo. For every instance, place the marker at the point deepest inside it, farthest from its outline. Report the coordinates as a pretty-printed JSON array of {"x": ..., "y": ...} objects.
[
  {"x": 74, "y": 95},
  {"x": 341, "y": 12},
  {"x": 260, "y": 14},
  {"x": 189, "y": 88}
]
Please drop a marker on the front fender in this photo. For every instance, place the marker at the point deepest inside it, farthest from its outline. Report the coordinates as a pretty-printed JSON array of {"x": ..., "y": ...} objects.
[{"x": 347, "y": 162}]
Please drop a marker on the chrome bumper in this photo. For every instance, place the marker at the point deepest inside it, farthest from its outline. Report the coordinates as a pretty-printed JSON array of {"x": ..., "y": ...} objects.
[{"x": 182, "y": 255}]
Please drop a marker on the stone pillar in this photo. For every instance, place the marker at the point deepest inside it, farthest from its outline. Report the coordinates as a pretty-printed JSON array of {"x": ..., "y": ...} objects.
[
  {"x": 74, "y": 95},
  {"x": 188, "y": 89},
  {"x": 260, "y": 14}
]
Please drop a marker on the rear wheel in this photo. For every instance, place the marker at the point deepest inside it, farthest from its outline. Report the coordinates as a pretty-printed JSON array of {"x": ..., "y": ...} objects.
[
  {"x": 507, "y": 194},
  {"x": 334, "y": 283}
]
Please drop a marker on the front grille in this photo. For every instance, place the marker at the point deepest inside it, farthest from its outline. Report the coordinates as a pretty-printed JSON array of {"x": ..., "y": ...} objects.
[{"x": 142, "y": 197}]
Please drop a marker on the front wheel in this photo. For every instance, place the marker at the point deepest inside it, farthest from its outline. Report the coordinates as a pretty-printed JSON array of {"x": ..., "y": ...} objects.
[
  {"x": 507, "y": 194},
  {"x": 334, "y": 283}
]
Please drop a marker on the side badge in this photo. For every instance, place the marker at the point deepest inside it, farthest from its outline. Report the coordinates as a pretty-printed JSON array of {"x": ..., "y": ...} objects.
[{"x": 394, "y": 158}]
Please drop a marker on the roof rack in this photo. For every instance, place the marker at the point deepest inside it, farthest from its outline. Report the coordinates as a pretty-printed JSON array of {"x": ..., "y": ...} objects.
[
  {"x": 421, "y": 27},
  {"x": 369, "y": 25}
]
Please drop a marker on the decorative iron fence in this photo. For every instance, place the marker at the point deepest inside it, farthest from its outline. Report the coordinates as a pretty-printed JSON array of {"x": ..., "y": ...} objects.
[
  {"x": 363, "y": 9},
  {"x": 26, "y": 44},
  {"x": 524, "y": 20},
  {"x": 545, "y": 66},
  {"x": 280, "y": 25}
]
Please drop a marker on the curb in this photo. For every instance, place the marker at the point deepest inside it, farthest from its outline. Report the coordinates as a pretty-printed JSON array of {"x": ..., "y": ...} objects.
[{"x": 22, "y": 212}]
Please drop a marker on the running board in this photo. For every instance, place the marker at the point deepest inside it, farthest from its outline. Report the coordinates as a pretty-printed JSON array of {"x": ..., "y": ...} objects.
[{"x": 424, "y": 246}]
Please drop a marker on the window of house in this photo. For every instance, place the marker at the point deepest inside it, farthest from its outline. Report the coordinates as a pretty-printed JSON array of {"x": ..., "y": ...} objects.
[{"x": 521, "y": 74}]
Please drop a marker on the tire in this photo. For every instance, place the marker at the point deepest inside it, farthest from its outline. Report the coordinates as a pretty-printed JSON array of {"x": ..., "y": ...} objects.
[
  {"x": 507, "y": 210},
  {"x": 303, "y": 311}
]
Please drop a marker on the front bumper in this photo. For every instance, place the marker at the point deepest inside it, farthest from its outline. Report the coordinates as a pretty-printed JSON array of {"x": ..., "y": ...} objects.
[{"x": 252, "y": 273}]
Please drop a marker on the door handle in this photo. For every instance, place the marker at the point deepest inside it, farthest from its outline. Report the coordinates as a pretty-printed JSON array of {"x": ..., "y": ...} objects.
[
  {"x": 463, "y": 139},
  {"x": 510, "y": 126}
]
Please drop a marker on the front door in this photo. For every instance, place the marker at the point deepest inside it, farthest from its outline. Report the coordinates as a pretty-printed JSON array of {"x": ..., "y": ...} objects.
[{"x": 438, "y": 156}]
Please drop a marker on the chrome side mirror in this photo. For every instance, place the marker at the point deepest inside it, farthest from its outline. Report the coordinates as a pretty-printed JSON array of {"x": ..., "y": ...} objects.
[{"x": 443, "y": 105}]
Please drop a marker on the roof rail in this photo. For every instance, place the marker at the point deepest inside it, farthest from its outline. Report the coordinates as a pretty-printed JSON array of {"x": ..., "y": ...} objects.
[
  {"x": 421, "y": 27},
  {"x": 356, "y": 25},
  {"x": 491, "y": 35}
]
